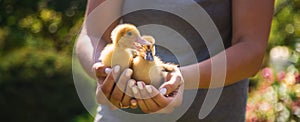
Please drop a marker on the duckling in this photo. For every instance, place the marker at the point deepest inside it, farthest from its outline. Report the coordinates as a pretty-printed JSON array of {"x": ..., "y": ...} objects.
[
  {"x": 125, "y": 38},
  {"x": 149, "y": 68}
]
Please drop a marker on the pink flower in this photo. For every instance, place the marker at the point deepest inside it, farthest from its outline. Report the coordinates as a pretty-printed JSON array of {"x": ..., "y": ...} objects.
[
  {"x": 267, "y": 74},
  {"x": 280, "y": 75}
]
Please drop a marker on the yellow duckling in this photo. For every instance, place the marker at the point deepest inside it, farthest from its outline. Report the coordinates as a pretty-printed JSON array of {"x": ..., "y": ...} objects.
[
  {"x": 149, "y": 68},
  {"x": 125, "y": 38}
]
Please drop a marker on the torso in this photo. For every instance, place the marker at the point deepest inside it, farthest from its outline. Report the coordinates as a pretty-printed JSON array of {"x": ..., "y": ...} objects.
[{"x": 233, "y": 97}]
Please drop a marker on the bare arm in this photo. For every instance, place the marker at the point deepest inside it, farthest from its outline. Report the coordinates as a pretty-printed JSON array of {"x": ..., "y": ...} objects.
[
  {"x": 251, "y": 27},
  {"x": 98, "y": 19}
]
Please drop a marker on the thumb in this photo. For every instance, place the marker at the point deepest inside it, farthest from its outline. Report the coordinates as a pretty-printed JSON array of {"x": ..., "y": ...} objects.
[
  {"x": 171, "y": 85},
  {"x": 100, "y": 69}
]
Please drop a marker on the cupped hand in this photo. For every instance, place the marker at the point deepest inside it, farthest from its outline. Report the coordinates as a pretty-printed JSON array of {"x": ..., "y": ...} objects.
[
  {"x": 113, "y": 87},
  {"x": 165, "y": 100}
]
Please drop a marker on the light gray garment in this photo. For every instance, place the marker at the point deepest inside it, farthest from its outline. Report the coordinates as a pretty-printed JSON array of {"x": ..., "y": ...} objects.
[{"x": 232, "y": 103}]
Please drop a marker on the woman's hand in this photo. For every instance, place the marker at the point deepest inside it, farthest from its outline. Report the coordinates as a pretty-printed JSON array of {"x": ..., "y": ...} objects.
[
  {"x": 115, "y": 94},
  {"x": 152, "y": 100}
]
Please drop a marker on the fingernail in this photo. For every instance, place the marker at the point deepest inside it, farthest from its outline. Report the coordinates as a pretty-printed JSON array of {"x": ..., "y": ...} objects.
[
  {"x": 107, "y": 70},
  {"x": 116, "y": 68},
  {"x": 134, "y": 90},
  {"x": 131, "y": 83},
  {"x": 133, "y": 103},
  {"x": 140, "y": 85},
  {"x": 149, "y": 89},
  {"x": 163, "y": 91},
  {"x": 128, "y": 73}
]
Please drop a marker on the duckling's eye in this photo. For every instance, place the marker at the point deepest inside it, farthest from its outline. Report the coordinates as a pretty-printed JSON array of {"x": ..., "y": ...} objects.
[{"x": 129, "y": 33}]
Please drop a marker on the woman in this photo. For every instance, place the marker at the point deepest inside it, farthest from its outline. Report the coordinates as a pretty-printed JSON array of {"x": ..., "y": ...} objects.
[{"x": 244, "y": 26}]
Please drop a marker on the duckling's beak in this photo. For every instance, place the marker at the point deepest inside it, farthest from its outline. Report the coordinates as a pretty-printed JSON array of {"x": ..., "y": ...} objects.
[
  {"x": 149, "y": 55},
  {"x": 142, "y": 41},
  {"x": 138, "y": 44}
]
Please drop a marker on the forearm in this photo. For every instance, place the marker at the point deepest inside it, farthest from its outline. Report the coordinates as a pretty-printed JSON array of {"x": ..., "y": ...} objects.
[
  {"x": 87, "y": 54},
  {"x": 251, "y": 28},
  {"x": 242, "y": 61},
  {"x": 96, "y": 29}
]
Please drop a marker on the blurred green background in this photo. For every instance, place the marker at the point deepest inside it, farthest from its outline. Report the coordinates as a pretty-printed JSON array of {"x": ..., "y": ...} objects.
[{"x": 36, "y": 43}]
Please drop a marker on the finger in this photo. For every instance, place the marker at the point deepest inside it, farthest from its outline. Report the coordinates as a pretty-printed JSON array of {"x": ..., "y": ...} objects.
[
  {"x": 109, "y": 82},
  {"x": 140, "y": 101},
  {"x": 160, "y": 99},
  {"x": 128, "y": 93},
  {"x": 150, "y": 103},
  {"x": 119, "y": 90},
  {"x": 99, "y": 69},
  {"x": 171, "y": 85}
]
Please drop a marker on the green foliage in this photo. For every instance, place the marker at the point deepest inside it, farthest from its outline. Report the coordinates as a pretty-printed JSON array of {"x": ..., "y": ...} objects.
[
  {"x": 275, "y": 90},
  {"x": 36, "y": 43}
]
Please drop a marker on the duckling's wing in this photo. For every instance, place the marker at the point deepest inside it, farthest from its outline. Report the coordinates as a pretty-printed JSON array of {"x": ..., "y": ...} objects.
[
  {"x": 168, "y": 67},
  {"x": 106, "y": 54}
]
